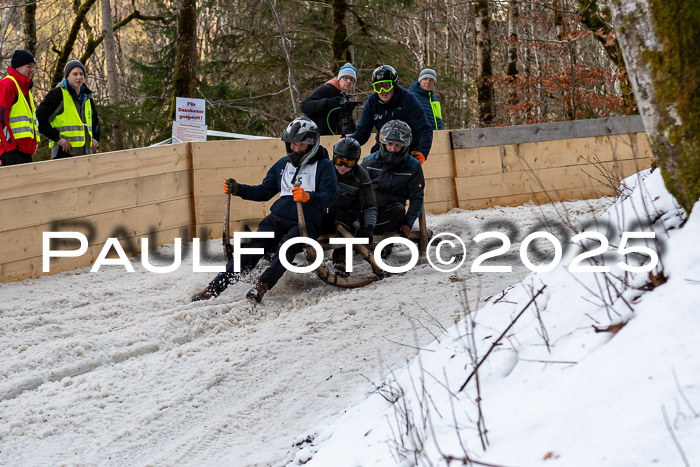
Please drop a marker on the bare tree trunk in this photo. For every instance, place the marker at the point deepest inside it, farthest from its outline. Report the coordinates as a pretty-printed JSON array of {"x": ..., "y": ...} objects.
[
  {"x": 603, "y": 32},
  {"x": 185, "y": 76},
  {"x": 30, "y": 26},
  {"x": 293, "y": 89},
  {"x": 112, "y": 73},
  {"x": 663, "y": 61},
  {"x": 483, "y": 63},
  {"x": 67, "y": 50},
  {"x": 512, "y": 66},
  {"x": 339, "y": 37}
]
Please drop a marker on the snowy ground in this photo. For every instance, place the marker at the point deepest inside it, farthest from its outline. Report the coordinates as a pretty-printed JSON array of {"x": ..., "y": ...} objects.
[
  {"x": 118, "y": 368},
  {"x": 594, "y": 371}
]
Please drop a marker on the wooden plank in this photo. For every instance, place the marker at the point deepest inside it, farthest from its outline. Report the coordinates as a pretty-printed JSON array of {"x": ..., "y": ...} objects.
[
  {"x": 31, "y": 268},
  {"x": 439, "y": 189},
  {"x": 499, "y": 136},
  {"x": 574, "y": 152},
  {"x": 138, "y": 221},
  {"x": 524, "y": 182},
  {"x": 236, "y": 154},
  {"x": 209, "y": 182},
  {"x": 50, "y": 176},
  {"x": 439, "y": 207},
  {"x": 81, "y": 201},
  {"x": 537, "y": 198},
  {"x": 213, "y": 230},
  {"x": 442, "y": 143},
  {"x": 438, "y": 165},
  {"x": 210, "y": 209},
  {"x": 478, "y": 161}
]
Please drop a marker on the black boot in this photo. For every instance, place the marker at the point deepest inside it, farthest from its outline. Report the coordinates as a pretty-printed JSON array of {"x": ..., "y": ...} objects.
[
  {"x": 206, "y": 294},
  {"x": 258, "y": 292},
  {"x": 339, "y": 269}
]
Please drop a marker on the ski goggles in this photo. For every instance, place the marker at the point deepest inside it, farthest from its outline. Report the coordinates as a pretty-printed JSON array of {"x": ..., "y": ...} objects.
[
  {"x": 349, "y": 163},
  {"x": 383, "y": 86}
]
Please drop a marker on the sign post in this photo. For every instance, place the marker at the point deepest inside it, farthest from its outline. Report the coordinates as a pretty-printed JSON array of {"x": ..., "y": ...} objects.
[{"x": 190, "y": 120}]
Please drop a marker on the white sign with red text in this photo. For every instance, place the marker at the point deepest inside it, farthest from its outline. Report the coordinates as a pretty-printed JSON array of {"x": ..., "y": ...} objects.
[{"x": 189, "y": 110}]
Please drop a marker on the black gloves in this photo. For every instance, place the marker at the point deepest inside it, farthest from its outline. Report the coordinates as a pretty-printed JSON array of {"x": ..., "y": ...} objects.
[
  {"x": 347, "y": 105},
  {"x": 230, "y": 186},
  {"x": 365, "y": 233},
  {"x": 334, "y": 102}
]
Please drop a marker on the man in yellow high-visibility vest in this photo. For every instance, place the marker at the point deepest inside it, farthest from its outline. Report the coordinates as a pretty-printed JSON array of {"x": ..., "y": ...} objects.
[
  {"x": 19, "y": 131},
  {"x": 68, "y": 117}
]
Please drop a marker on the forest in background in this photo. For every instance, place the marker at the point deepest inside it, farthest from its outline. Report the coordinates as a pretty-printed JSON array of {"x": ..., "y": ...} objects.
[{"x": 498, "y": 62}]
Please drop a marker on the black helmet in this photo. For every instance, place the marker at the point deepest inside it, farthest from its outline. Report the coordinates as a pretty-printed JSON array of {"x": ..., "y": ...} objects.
[
  {"x": 347, "y": 148},
  {"x": 397, "y": 131},
  {"x": 301, "y": 130},
  {"x": 385, "y": 73}
]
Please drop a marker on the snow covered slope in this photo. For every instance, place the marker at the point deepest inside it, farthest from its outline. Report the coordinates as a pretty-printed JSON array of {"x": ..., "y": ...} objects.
[
  {"x": 598, "y": 370},
  {"x": 116, "y": 368}
]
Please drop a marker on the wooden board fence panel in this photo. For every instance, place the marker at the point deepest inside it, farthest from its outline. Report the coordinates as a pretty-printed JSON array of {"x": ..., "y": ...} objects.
[
  {"x": 176, "y": 190},
  {"x": 210, "y": 209},
  {"x": 50, "y": 176},
  {"x": 30, "y": 268},
  {"x": 138, "y": 221},
  {"x": 439, "y": 189},
  {"x": 524, "y": 182},
  {"x": 499, "y": 136},
  {"x": 81, "y": 201}
]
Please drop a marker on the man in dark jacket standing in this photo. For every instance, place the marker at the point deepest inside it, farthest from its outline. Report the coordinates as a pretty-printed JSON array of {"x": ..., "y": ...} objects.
[
  {"x": 396, "y": 178},
  {"x": 326, "y": 104},
  {"x": 392, "y": 102},
  {"x": 19, "y": 132},
  {"x": 306, "y": 163},
  {"x": 424, "y": 90},
  {"x": 68, "y": 117}
]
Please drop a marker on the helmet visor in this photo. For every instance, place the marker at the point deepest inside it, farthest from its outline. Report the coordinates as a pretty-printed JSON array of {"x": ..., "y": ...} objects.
[
  {"x": 350, "y": 163},
  {"x": 383, "y": 86}
]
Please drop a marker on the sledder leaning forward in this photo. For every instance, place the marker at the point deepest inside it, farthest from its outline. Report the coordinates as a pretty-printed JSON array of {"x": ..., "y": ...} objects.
[{"x": 306, "y": 163}]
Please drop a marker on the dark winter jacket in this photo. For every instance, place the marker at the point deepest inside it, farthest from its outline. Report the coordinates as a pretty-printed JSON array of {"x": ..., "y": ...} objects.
[
  {"x": 52, "y": 105},
  {"x": 323, "y": 107},
  {"x": 400, "y": 183},
  {"x": 402, "y": 106},
  {"x": 430, "y": 103},
  {"x": 321, "y": 198},
  {"x": 356, "y": 195},
  {"x": 8, "y": 98}
]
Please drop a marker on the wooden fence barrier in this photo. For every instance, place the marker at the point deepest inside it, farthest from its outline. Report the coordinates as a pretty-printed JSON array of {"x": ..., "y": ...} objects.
[{"x": 176, "y": 191}]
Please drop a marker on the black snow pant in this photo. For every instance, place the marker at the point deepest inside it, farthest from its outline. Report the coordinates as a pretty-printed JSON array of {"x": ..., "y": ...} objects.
[
  {"x": 390, "y": 218},
  {"x": 284, "y": 229},
  {"x": 14, "y": 157},
  {"x": 351, "y": 220}
]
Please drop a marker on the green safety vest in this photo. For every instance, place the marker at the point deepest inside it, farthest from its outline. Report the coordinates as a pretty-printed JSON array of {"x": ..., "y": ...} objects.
[
  {"x": 437, "y": 110},
  {"x": 69, "y": 124},
  {"x": 23, "y": 122}
]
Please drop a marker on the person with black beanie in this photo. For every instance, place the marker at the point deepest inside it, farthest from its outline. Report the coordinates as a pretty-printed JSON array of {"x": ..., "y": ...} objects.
[{"x": 19, "y": 132}]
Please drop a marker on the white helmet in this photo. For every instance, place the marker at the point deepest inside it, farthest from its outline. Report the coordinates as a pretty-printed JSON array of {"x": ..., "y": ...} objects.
[{"x": 301, "y": 130}]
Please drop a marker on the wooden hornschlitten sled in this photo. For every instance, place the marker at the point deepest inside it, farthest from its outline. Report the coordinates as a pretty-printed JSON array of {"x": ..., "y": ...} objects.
[{"x": 421, "y": 237}]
